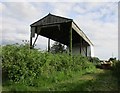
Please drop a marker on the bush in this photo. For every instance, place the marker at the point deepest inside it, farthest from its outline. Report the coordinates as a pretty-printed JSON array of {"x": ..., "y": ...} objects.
[
  {"x": 116, "y": 70},
  {"x": 33, "y": 68},
  {"x": 94, "y": 60}
]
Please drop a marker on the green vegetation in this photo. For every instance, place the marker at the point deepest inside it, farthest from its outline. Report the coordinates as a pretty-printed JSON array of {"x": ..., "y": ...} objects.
[
  {"x": 116, "y": 71},
  {"x": 27, "y": 69},
  {"x": 35, "y": 68},
  {"x": 94, "y": 60},
  {"x": 100, "y": 80},
  {"x": 58, "y": 48}
]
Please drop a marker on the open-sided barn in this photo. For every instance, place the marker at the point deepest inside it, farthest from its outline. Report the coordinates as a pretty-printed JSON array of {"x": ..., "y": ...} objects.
[{"x": 63, "y": 30}]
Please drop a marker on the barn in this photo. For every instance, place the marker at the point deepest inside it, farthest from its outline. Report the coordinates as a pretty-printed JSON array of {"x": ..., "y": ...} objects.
[{"x": 63, "y": 30}]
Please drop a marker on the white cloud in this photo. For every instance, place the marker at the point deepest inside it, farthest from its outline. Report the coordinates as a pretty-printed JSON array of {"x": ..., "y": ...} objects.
[
  {"x": 16, "y": 20},
  {"x": 62, "y": 9},
  {"x": 79, "y": 9},
  {"x": 24, "y": 10}
]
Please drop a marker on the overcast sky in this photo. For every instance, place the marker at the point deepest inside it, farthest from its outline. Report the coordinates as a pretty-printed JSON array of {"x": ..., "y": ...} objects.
[{"x": 98, "y": 20}]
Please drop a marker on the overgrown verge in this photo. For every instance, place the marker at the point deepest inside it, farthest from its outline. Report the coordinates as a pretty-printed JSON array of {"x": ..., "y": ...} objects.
[
  {"x": 35, "y": 68},
  {"x": 116, "y": 71}
]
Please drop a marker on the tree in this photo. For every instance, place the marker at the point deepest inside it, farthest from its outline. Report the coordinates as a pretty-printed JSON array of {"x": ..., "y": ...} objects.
[{"x": 57, "y": 48}]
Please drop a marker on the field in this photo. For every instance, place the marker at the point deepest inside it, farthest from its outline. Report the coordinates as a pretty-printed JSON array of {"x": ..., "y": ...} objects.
[{"x": 32, "y": 70}]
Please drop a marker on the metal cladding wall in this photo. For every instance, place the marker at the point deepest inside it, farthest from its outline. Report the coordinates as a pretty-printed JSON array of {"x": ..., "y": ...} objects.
[
  {"x": 85, "y": 50},
  {"x": 92, "y": 51}
]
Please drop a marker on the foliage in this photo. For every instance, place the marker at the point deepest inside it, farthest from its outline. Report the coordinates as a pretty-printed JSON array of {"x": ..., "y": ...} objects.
[
  {"x": 116, "y": 70},
  {"x": 94, "y": 60},
  {"x": 112, "y": 59},
  {"x": 21, "y": 65},
  {"x": 57, "y": 48}
]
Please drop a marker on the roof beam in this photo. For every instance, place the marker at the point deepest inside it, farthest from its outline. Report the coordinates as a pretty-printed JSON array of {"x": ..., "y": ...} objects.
[{"x": 80, "y": 32}]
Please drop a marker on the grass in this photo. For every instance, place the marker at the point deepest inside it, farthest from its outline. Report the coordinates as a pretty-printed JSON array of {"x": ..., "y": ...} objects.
[
  {"x": 100, "y": 80},
  {"x": 0, "y": 88}
]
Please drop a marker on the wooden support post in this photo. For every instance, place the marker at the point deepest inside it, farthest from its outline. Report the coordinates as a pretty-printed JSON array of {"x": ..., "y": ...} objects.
[
  {"x": 70, "y": 37},
  {"x": 35, "y": 41},
  {"x": 83, "y": 48},
  {"x": 48, "y": 44},
  {"x": 80, "y": 45},
  {"x": 31, "y": 40},
  {"x": 86, "y": 51}
]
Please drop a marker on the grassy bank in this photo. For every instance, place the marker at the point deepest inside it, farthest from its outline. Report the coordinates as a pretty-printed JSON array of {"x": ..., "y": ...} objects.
[{"x": 32, "y": 68}]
